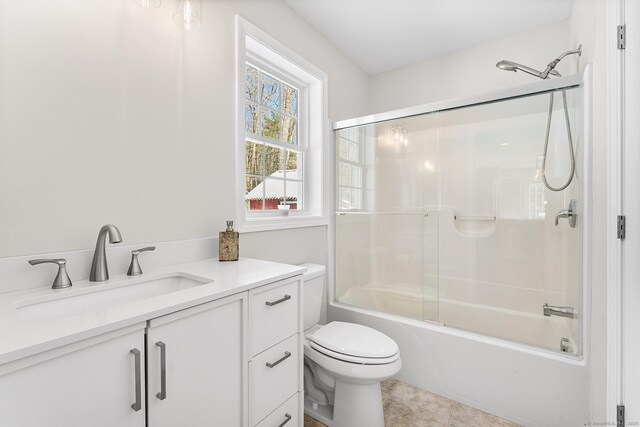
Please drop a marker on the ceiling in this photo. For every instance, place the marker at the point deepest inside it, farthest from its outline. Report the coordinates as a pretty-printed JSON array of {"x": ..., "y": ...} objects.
[{"x": 380, "y": 35}]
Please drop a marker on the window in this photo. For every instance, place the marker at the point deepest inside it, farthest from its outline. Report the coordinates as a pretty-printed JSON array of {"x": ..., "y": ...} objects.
[
  {"x": 273, "y": 149},
  {"x": 281, "y": 133},
  {"x": 350, "y": 170}
]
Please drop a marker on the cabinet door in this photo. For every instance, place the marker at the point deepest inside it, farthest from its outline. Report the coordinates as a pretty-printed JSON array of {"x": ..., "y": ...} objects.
[
  {"x": 202, "y": 352},
  {"x": 90, "y": 383}
]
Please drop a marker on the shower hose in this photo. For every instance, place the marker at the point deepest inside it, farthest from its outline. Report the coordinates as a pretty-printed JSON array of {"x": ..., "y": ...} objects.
[{"x": 569, "y": 141}]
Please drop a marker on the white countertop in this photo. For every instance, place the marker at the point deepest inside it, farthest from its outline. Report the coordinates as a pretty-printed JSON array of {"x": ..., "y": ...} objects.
[{"x": 21, "y": 336}]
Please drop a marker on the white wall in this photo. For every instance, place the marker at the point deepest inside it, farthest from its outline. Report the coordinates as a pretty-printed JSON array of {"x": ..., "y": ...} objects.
[
  {"x": 470, "y": 71},
  {"x": 110, "y": 113}
]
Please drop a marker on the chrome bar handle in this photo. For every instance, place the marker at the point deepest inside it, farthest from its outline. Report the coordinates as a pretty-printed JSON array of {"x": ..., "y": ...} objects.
[
  {"x": 134, "y": 267},
  {"x": 62, "y": 279},
  {"x": 287, "y": 417},
  {"x": 283, "y": 299},
  {"x": 552, "y": 310},
  {"x": 137, "y": 405},
  {"x": 163, "y": 371},
  {"x": 279, "y": 361}
]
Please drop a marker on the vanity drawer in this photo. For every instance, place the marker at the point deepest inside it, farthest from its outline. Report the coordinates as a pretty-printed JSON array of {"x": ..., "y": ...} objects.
[
  {"x": 287, "y": 415},
  {"x": 274, "y": 314},
  {"x": 274, "y": 376}
]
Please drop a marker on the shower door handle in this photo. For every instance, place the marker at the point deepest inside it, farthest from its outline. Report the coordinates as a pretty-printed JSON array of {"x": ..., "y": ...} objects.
[{"x": 552, "y": 310}]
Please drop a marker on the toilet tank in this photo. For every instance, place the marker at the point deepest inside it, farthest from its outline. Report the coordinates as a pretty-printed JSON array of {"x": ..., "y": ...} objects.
[{"x": 313, "y": 291}]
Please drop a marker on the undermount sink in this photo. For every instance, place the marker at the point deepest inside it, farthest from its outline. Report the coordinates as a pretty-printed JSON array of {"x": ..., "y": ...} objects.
[{"x": 101, "y": 296}]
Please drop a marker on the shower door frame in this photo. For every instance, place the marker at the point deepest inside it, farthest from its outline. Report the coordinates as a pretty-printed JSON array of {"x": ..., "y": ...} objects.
[{"x": 583, "y": 80}]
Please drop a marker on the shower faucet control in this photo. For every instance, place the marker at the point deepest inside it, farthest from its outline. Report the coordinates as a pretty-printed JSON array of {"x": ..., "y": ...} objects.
[{"x": 568, "y": 213}]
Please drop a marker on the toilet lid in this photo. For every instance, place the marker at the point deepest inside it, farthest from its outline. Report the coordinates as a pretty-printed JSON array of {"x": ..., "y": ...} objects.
[{"x": 354, "y": 340}]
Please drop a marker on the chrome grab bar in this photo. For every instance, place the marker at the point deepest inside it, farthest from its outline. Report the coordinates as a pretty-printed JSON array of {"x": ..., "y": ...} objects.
[
  {"x": 342, "y": 213},
  {"x": 552, "y": 310},
  {"x": 474, "y": 218}
]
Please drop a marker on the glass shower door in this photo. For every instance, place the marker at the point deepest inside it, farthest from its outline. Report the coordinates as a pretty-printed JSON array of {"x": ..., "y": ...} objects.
[
  {"x": 446, "y": 217},
  {"x": 501, "y": 254},
  {"x": 383, "y": 230}
]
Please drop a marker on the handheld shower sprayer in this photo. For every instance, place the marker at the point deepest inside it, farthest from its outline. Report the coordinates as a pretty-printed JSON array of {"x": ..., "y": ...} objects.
[{"x": 550, "y": 70}]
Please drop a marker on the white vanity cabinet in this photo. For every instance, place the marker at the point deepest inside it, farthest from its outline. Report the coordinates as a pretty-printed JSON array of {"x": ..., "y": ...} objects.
[
  {"x": 236, "y": 361},
  {"x": 195, "y": 365},
  {"x": 93, "y": 382},
  {"x": 276, "y": 352}
]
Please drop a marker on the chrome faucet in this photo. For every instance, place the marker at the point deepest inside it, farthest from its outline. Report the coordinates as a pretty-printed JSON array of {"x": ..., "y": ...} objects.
[
  {"x": 99, "y": 270},
  {"x": 568, "y": 213},
  {"x": 554, "y": 310}
]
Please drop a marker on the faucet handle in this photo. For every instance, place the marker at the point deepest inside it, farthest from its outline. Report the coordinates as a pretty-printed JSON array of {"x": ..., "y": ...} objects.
[
  {"x": 62, "y": 279},
  {"x": 134, "y": 267}
]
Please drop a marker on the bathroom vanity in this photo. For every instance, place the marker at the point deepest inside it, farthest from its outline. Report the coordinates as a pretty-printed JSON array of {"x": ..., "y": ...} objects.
[{"x": 208, "y": 343}]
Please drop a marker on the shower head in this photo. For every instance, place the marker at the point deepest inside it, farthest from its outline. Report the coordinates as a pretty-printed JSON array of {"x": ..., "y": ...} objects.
[
  {"x": 550, "y": 70},
  {"x": 514, "y": 66}
]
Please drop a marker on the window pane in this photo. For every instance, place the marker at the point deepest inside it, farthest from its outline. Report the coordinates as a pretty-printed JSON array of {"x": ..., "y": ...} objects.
[
  {"x": 353, "y": 152},
  {"x": 289, "y": 100},
  {"x": 356, "y": 176},
  {"x": 274, "y": 160},
  {"x": 344, "y": 149},
  {"x": 294, "y": 195},
  {"x": 356, "y": 197},
  {"x": 251, "y": 84},
  {"x": 254, "y": 156},
  {"x": 345, "y": 198},
  {"x": 254, "y": 194},
  {"x": 251, "y": 118},
  {"x": 345, "y": 174},
  {"x": 293, "y": 165},
  {"x": 353, "y": 134},
  {"x": 270, "y": 123},
  {"x": 289, "y": 130},
  {"x": 270, "y": 91},
  {"x": 274, "y": 193}
]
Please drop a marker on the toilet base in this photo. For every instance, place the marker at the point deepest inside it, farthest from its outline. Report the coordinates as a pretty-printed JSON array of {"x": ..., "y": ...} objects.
[
  {"x": 358, "y": 405},
  {"x": 322, "y": 413},
  {"x": 355, "y": 405}
]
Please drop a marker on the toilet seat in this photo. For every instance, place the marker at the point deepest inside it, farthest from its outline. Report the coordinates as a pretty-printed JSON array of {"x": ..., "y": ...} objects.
[
  {"x": 354, "y": 359},
  {"x": 354, "y": 343}
]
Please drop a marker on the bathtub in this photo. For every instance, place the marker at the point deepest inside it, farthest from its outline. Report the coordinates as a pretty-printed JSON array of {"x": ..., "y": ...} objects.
[{"x": 519, "y": 382}]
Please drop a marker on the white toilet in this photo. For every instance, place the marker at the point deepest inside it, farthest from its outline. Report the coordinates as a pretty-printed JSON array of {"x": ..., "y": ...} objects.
[{"x": 344, "y": 364}]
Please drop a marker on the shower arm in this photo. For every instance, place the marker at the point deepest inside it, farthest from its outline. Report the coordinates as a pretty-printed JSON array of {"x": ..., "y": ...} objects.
[{"x": 552, "y": 65}]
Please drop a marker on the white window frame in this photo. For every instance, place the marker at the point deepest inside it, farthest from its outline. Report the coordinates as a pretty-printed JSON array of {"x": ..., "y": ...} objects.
[
  {"x": 360, "y": 163},
  {"x": 302, "y": 145},
  {"x": 253, "y": 46}
]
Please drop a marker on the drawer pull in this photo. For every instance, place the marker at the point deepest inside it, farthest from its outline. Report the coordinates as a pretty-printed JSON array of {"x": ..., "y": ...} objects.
[
  {"x": 137, "y": 405},
  {"x": 283, "y": 299},
  {"x": 279, "y": 361},
  {"x": 287, "y": 419},
  {"x": 162, "y": 395}
]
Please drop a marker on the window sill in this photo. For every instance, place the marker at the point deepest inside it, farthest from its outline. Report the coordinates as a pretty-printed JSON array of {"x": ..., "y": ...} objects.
[{"x": 248, "y": 225}]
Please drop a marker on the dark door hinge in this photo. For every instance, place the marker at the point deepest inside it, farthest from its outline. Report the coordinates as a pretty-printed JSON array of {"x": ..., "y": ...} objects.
[
  {"x": 620, "y": 417},
  {"x": 622, "y": 36},
  {"x": 622, "y": 226}
]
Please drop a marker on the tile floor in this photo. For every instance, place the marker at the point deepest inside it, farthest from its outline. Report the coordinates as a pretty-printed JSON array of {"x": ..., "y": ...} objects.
[{"x": 408, "y": 406}]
